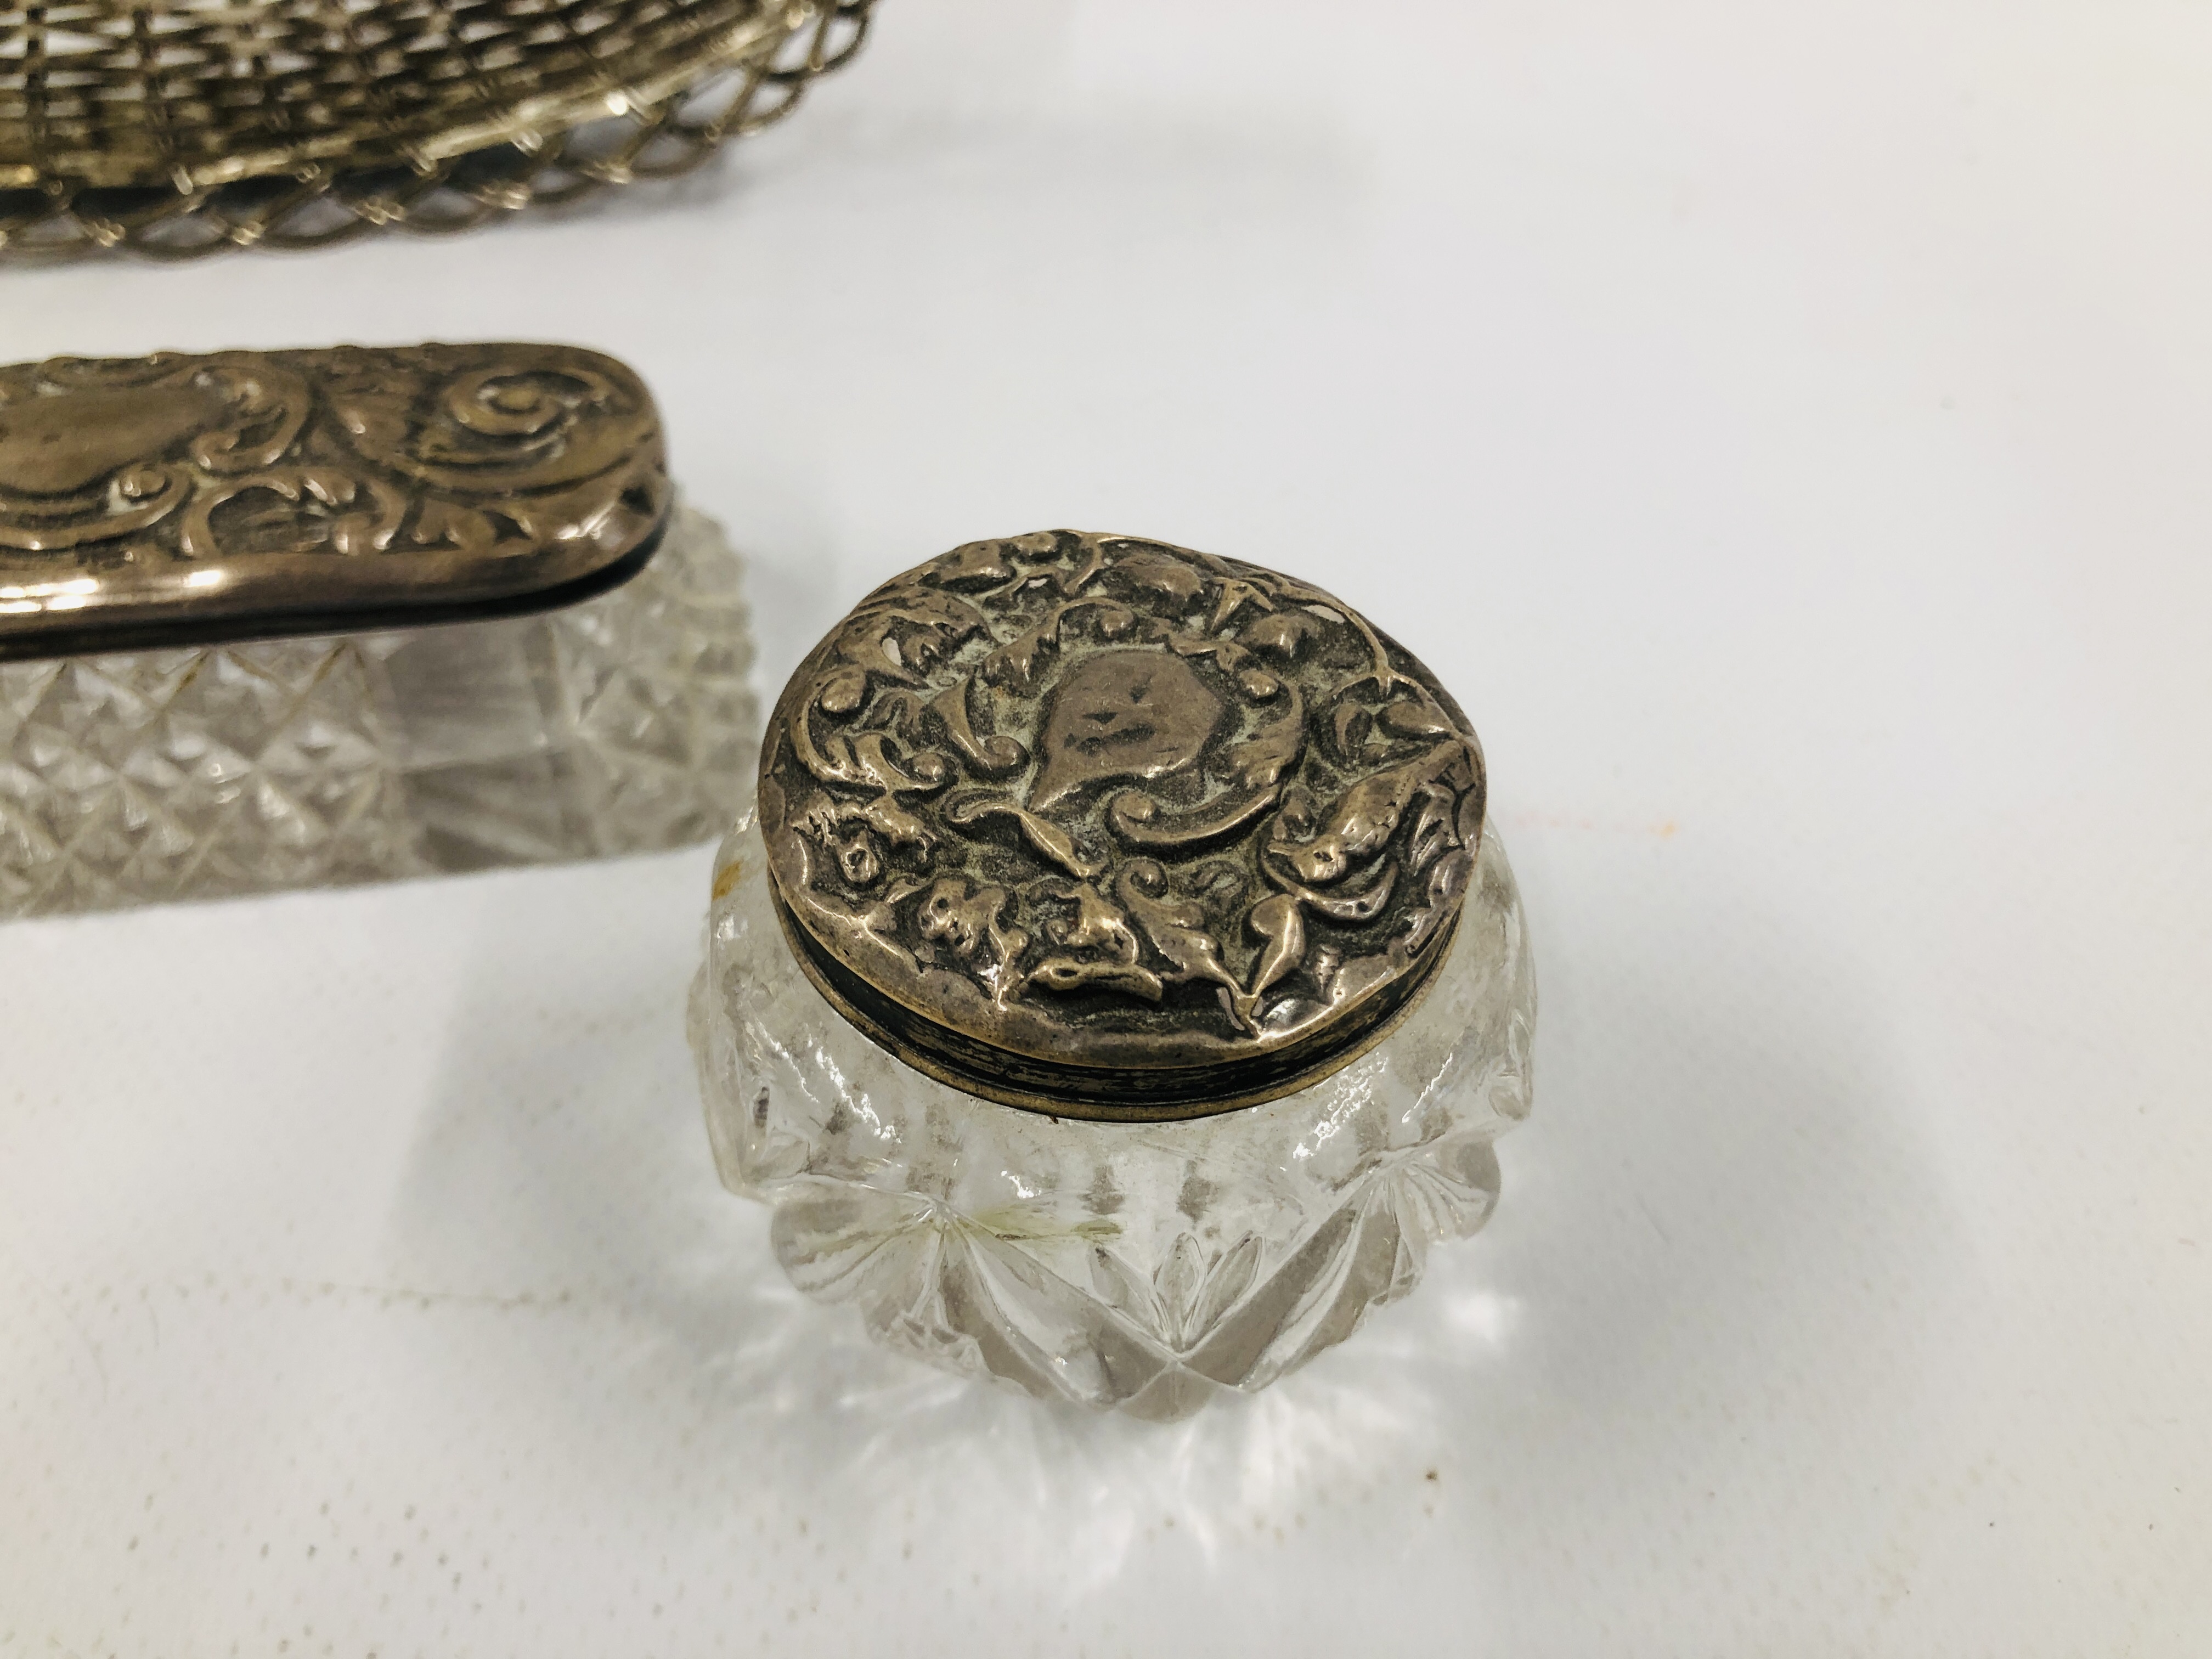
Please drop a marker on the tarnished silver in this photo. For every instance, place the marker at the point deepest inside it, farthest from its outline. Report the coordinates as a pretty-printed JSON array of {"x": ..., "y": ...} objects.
[
  {"x": 218, "y": 579},
  {"x": 174, "y": 499},
  {"x": 1106, "y": 828},
  {"x": 172, "y": 128}
]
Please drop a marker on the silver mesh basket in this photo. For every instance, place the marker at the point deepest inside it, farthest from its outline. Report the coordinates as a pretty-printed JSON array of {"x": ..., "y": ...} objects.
[{"x": 173, "y": 128}]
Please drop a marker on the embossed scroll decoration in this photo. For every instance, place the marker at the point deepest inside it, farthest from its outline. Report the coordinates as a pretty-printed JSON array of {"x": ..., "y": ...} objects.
[
  {"x": 1107, "y": 827},
  {"x": 171, "y": 498}
]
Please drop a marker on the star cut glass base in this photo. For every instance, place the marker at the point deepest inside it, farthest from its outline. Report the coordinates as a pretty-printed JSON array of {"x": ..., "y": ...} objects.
[
  {"x": 1138, "y": 1267},
  {"x": 623, "y": 724}
]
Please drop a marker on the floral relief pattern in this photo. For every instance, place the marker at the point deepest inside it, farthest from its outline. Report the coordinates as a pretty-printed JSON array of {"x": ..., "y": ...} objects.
[{"x": 1073, "y": 793}]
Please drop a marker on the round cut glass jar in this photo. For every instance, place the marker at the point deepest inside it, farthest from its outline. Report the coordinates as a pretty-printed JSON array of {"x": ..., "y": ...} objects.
[{"x": 1141, "y": 1266}]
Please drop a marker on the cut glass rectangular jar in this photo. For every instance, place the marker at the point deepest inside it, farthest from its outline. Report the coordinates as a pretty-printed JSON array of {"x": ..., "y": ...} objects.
[
  {"x": 623, "y": 724},
  {"x": 289, "y": 619}
]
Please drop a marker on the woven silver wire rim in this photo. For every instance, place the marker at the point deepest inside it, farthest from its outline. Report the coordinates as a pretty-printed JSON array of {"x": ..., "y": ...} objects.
[{"x": 645, "y": 128}]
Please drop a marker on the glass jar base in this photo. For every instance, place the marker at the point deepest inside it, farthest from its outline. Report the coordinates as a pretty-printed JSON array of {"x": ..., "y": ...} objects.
[{"x": 1142, "y": 1268}]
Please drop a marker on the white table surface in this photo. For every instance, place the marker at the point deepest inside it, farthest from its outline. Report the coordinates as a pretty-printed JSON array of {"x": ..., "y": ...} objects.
[{"x": 1784, "y": 426}]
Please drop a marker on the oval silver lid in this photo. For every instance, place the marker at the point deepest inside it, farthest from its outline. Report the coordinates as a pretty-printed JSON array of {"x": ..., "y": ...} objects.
[{"x": 176, "y": 500}]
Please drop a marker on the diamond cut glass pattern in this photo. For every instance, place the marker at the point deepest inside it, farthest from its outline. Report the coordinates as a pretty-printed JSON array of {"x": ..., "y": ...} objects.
[{"x": 623, "y": 724}]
